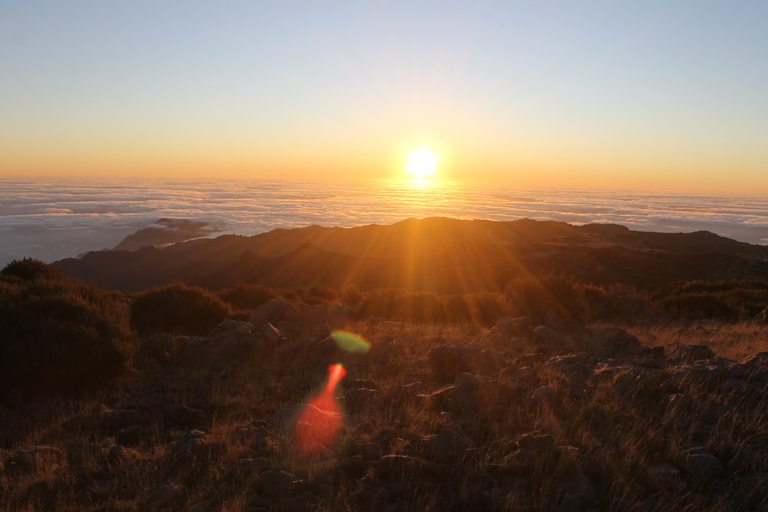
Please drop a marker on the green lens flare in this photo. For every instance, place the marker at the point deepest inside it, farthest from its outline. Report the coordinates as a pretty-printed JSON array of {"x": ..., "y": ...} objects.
[{"x": 350, "y": 342}]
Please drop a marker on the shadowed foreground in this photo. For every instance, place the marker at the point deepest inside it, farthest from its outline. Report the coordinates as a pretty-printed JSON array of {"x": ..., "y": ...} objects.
[{"x": 518, "y": 417}]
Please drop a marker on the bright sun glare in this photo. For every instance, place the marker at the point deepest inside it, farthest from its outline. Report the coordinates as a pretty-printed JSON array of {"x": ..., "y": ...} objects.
[{"x": 421, "y": 163}]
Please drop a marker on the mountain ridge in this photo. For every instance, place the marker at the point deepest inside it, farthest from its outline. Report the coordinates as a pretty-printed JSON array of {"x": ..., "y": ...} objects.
[{"x": 433, "y": 254}]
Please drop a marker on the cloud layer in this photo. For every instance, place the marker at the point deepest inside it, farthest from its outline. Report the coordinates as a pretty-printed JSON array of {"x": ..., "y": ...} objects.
[{"x": 54, "y": 219}]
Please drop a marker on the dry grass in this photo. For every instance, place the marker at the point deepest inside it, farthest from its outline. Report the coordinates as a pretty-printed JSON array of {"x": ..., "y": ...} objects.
[{"x": 612, "y": 429}]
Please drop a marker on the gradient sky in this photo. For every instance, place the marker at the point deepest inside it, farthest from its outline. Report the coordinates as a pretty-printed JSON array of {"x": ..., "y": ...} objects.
[{"x": 651, "y": 95}]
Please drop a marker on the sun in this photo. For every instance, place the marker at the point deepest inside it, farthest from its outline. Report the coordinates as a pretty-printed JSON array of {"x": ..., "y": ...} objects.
[{"x": 421, "y": 163}]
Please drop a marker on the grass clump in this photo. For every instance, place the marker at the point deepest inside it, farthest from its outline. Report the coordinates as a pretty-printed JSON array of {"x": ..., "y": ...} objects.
[
  {"x": 247, "y": 296},
  {"x": 732, "y": 301},
  {"x": 57, "y": 333},
  {"x": 178, "y": 309}
]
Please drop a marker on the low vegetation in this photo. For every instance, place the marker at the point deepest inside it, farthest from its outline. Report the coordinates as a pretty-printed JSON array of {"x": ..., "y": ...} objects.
[
  {"x": 179, "y": 309},
  {"x": 581, "y": 398},
  {"x": 56, "y": 333}
]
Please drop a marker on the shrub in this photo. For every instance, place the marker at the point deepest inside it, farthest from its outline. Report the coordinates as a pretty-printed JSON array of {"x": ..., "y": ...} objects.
[
  {"x": 352, "y": 296},
  {"x": 178, "y": 309},
  {"x": 316, "y": 293},
  {"x": 537, "y": 297},
  {"x": 457, "y": 310},
  {"x": 724, "y": 300},
  {"x": 247, "y": 296},
  {"x": 57, "y": 333},
  {"x": 487, "y": 308}
]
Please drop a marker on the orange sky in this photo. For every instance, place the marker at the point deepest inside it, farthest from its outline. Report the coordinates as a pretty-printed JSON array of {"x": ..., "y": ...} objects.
[{"x": 648, "y": 97}]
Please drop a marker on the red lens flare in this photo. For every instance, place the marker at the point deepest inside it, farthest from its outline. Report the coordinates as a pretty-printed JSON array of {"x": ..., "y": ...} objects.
[{"x": 319, "y": 424}]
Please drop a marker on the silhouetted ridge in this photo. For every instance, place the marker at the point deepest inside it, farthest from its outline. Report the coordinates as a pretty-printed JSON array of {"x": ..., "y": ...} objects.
[{"x": 434, "y": 254}]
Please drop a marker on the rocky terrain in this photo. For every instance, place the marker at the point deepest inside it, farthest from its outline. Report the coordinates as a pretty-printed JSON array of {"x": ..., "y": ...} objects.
[{"x": 655, "y": 416}]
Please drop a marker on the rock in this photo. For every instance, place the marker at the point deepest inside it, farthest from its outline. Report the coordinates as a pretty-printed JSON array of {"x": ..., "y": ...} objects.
[
  {"x": 694, "y": 352},
  {"x": 567, "y": 365},
  {"x": 289, "y": 329},
  {"x": 743, "y": 388},
  {"x": 399, "y": 395},
  {"x": 277, "y": 483},
  {"x": 520, "y": 326},
  {"x": 111, "y": 419},
  {"x": 526, "y": 374},
  {"x": 578, "y": 492},
  {"x": 536, "y": 442},
  {"x": 519, "y": 463},
  {"x": 615, "y": 341},
  {"x": 448, "y": 361},
  {"x": 168, "y": 497},
  {"x": 384, "y": 353},
  {"x": 354, "y": 465},
  {"x": 313, "y": 317},
  {"x": 269, "y": 335},
  {"x": 246, "y": 468},
  {"x": 161, "y": 345},
  {"x": 760, "y": 360},
  {"x": 470, "y": 392},
  {"x": 191, "y": 443},
  {"x": 129, "y": 436},
  {"x": 230, "y": 328},
  {"x": 88, "y": 454},
  {"x": 273, "y": 312},
  {"x": 547, "y": 334},
  {"x": 702, "y": 465},
  {"x": 118, "y": 455},
  {"x": 338, "y": 315},
  {"x": 371, "y": 452},
  {"x": 486, "y": 361},
  {"x": 392, "y": 467},
  {"x": 178, "y": 415},
  {"x": 544, "y": 395},
  {"x": 357, "y": 399},
  {"x": 665, "y": 475},
  {"x": 37, "y": 457},
  {"x": 761, "y": 317},
  {"x": 449, "y": 445}
]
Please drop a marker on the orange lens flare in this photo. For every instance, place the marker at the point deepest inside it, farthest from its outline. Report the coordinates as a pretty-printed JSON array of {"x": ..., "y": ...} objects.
[{"x": 319, "y": 424}]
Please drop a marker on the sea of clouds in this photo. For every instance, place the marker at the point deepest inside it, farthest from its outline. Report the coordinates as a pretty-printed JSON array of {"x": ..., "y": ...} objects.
[{"x": 50, "y": 219}]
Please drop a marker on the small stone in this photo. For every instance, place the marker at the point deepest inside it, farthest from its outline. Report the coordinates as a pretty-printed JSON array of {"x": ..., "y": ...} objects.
[
  {"x": 702, "y": 465},
  {"x": 371, "y": 452},
  {"x": 277, "y": 482},
  {"x": 129, "y": 436},
  {"x": 544, "y": 395},
  {"x": 168, "y": 497}
]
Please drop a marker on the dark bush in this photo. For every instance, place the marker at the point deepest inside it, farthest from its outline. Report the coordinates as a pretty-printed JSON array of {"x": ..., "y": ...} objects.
[
  {"x": 178, "y": 309},
  {"x": 538, "y": 297},
  {"x": 316, "y": 293},
  {"x": 247, "y": 296},
  {"x": 457, "y": 310},
  {"x": 56, "y": 333},
  {"x": 487, "y": 308},
  {"x": 352, "y": 296},
  {"x": 724, "y": 300}
]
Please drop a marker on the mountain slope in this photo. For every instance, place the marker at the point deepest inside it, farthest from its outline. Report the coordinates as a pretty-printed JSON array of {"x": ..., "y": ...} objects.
[{"x": 443, "y": 255}]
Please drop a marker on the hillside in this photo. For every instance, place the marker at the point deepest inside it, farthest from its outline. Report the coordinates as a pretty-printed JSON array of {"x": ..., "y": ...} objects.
[{"x": 436, "y": 254}]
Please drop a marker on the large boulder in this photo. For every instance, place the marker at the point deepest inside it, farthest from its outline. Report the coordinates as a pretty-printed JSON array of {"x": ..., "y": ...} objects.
[
  {"x": 520, "y": 326},
  {"x": 448, "y": 361},
  {"x": 616, "y": 341},
  {"x": 448, "y": 446},
  {"x": 273, "y": 312},
  {"x": 702, "y": 465},
  {"x": 337, "y": 315},
  {"x": 761, "y": 317},
  {"x": 313, "y": 317}
]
